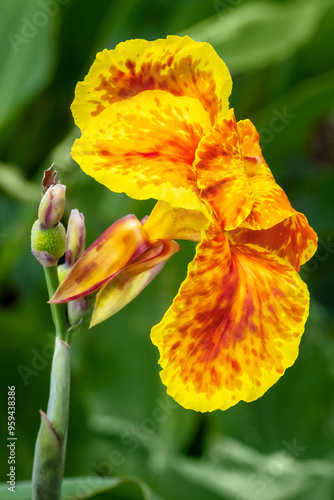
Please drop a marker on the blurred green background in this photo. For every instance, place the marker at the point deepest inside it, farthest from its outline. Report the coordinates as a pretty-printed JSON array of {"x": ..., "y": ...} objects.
[{"x": 280, "y": 54}]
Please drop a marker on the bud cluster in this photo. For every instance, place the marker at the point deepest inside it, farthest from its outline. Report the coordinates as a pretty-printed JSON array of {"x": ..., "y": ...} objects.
[
  {"x": 50, "y": 241},
  {"x": 48, "y": 235}
]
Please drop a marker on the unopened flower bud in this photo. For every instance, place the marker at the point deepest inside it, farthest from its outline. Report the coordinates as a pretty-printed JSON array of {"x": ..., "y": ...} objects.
[
  {"x": 76, "y": 238},
  {"x": 48, "y": 245},
  {"x": 76, "y": 309},
  {"x": 52, "y": 206},
  {"x": 63, "y": 271},
  {"x": 75, "y": 247}
]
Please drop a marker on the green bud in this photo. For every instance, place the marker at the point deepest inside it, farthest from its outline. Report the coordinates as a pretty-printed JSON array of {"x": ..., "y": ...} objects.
[{"x": 48, "y": 245}]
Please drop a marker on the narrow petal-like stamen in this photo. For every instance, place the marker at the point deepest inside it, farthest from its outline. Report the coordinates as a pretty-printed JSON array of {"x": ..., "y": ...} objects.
[
  {"x": 272, "y": 223},
  {"x": 270, "y": 203},
  {"x": 167, "y": 223},
  {"x": 221, "y": 173}
]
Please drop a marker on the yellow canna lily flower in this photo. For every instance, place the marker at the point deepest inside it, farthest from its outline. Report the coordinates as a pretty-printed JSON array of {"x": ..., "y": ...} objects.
[{"x": 155, "y": 123}]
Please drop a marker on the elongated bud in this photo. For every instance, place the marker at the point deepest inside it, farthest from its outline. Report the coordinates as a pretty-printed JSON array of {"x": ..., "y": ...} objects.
[
  {"x": 76, "y": 310},
  {"x": 75, "y": 242},
  {"x": 51, "y": 208},
  {"x": 75, "y": 247},
  {"x": 76, "y": 237}
]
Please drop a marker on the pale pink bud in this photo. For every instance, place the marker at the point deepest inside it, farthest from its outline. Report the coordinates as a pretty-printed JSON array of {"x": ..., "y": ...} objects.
[
  {"x": 76, "y": 238},
  {"x": 51, "y": 207}
]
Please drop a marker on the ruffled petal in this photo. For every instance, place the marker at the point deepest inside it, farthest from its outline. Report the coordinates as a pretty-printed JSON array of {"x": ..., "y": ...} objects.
[
  {"x": 221, "y": 173},
  {"x": 292, "y": 239},
  {"x": 272, "y": 223},
  {"x": 145, "y": 147},
  {"x": 122, "y": 289},
  {"x": 167, "y": 223},
  {"x": 176, "y": 64},
  {"x": 271, "y": 204},
  {"x": 120, "y": 244},
  {"x": 234, "y": 327}
]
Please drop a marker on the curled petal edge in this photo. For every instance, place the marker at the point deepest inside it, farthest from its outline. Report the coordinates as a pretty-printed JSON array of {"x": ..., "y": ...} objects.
[
  {"x": 131, "y": 281},
  {"x": 123, "y": 242}
]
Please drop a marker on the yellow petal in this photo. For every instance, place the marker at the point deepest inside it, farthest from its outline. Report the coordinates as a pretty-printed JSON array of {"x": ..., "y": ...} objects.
[
  {"x": 221, "y": 173},
  {"x": 122, "y": 289},
  {"x": 145, "y": 147},
  {"x": 167, "y": 223},
  {"x": 176, "y": 64},
  {"x": 272, "y": 223},
  {"x": 120, "y": 244},
  {"x": 292, "y": 239},
  {"x": 271, "y": 204},
  {"x": 234, "y": 327}
]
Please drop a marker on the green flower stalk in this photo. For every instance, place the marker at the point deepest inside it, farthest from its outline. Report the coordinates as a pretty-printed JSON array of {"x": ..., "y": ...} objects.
[
  {"x": 50, "y": 446},
  {"x": 48, "y": 245}
]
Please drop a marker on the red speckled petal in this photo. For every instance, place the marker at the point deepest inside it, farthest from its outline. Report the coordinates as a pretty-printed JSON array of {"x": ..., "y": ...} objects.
[
  {"x": 123, "y": 288},
  {"x": 221, "y": 173},
  {"x": 271, "y": 204},
  {"x": 145, "y": 147},
  {"x": 120, "y": 244},
  {"x": 292, "y": 239},
  {"x": 234, "y": 327},
  {"x": 272, "y": 223},
  {"x": 176, "y": 64}
]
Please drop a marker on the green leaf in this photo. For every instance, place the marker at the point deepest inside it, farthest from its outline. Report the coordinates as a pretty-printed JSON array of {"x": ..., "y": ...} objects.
[
  {"x": 287, "y": 122},
  {"x": 81, "y": 488},
  {"x": 256, "y": 34},
  {"x": 13, "y": 183},
  {"x": 26, "y": 52},
  {"x": 233, "y": 470}
]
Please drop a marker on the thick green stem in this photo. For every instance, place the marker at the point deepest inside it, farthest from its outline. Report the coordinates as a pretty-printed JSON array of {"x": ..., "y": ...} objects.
[
  {"x": 50, "y": 449},
  {"x": 57, "y": 310},
  {"x": 50, "y": 446}
]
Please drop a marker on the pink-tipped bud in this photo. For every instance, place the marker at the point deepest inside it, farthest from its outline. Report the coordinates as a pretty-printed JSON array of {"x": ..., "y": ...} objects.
[
  {"x": 76, "y": 238},
  {"x": 52, "y": 206},
  {"x": 76, "y": 309}
]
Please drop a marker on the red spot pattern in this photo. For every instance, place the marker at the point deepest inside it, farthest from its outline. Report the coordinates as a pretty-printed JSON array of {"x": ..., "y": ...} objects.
[
  {"x": 153, "y": 139},
  {"x": 226, "y": 322},
  {"x": 221, "y": 173},
  {"x": 182, "y": 77},
  {"x": 292, "y": 239}
]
